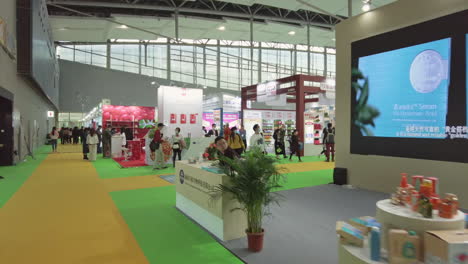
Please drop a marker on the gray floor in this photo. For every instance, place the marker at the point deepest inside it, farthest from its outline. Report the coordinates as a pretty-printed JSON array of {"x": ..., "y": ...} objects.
[{"x": 302, "y": 229}]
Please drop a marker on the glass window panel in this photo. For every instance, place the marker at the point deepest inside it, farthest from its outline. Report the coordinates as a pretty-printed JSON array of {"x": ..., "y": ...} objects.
[
  {"x": 83, "y": 53},
  {"x": 125, "y": 57},
  {"x": 65, "y": 52},
  {"x": 99, "y": 54}
]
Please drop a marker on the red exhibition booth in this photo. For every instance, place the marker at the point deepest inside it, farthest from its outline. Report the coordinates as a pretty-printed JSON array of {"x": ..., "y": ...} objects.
[{"x": 298, "y": 89}]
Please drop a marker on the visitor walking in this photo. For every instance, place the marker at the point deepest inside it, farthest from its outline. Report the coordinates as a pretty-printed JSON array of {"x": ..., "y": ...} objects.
[
  {"x": 76, "y": 135},
  {"x": 99, "y": 134},
  {"x": 70, "y": 135},
  {"x": 85, "y": 145},
  {"x": 226, "y": 132},
  {"x": 178, "y": 144},
  {"x": 61, "y": 133},
  {"x": 235, "y": 141},
  {"x": 156, "y": 148},
  {"x": 106, "y": 142},
  {"x": 329, "y": 141},
  {"x": 243, "y": 135},
  {"x": 257, "y": 140},
  {"x": 278, "y": 136},
  {"x": 295, "y": 146},
  {"x": 54, "y": 135},
  {"x": 92, "y": 140},
  {"x": 213, "y": 131}
]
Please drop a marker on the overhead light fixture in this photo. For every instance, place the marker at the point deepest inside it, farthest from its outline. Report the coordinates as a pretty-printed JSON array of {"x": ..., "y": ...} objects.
[
  {"x": 123, "y": 27},
  {"x": 222, "y": 28},
  {"x": 292, "y": 33},
  {"x": 334, "y": 39},
  {"x": 204, "y": 87},
  {"x": 153, "y": 83},
  {"x": 62, "y": 29},
  {"x": 366, "y": 5}
]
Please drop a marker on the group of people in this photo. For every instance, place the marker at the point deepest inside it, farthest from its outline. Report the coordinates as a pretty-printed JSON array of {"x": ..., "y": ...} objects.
[
  {"x": 236, "y": 140},
  {"x": 177, "y": 143},
  {"x": 90, "y": 139},
  {"x": 70, "y": 135}
]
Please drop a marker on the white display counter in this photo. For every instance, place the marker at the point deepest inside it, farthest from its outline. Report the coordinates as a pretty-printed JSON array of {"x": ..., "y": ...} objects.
[
  {"x": 116, "y": 146},
  {"x": 194, "y": 187}
]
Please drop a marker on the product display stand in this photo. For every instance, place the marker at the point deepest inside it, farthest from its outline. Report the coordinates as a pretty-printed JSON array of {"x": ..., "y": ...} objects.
[
  {"x": 394, "y": 216},
  {"x": 398, "y": 217}
]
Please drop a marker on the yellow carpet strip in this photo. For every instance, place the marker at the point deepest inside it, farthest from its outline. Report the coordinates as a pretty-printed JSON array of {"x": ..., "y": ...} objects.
[{"x": 63, "y": 214}]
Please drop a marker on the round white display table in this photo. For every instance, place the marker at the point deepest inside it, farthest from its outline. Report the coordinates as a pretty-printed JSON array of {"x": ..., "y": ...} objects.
[
  {"x": 355, "y": 255},
  {"x": 400, "y": 217}
]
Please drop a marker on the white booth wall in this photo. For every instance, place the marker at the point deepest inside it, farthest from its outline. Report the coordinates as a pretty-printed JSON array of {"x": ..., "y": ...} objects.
[
  {"x": 381, "y": 173},
  {"x": 176, "y": 100}
]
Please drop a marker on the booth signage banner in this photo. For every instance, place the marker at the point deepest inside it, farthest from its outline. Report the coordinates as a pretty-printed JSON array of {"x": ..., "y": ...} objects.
[
  {"x": 266, "y": 91},
  {"x": 253, "y": 114}
]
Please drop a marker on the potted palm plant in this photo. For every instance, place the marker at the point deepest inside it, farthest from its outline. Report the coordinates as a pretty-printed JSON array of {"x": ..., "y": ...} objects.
[{"x": 252, "y": 182}]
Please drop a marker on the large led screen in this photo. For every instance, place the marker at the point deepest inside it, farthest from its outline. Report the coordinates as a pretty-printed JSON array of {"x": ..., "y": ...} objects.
[{"x": 409, "y": 91}]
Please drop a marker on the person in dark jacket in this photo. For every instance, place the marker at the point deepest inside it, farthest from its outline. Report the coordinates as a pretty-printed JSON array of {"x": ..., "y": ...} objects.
[
  {"x": 295, "y": 146},
  {"x": 329, "y": 141},
  {"x": 85, "y": 145},
  {"x": 224, "y": 149},
  {"x": 76, "y": 135},
  {"x": 212, "y": 132},
  {"x": 278, "y": 136},
  {"x": 99, "y": 134}
]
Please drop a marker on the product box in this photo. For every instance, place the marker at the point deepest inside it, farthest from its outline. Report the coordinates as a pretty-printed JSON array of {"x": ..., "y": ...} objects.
[
  {"x": 364, "y": 223},
  {"x": 349, "y": 234},
  {"x": 404, "y": 247},
  {"x": 446, "y": 247}
]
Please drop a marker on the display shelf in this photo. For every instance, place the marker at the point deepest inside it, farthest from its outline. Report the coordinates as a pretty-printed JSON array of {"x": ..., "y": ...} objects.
[{"x": 393, "y": 216}]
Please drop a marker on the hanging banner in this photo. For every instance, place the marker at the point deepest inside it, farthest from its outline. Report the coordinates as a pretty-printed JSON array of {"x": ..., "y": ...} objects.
[{"x": 267, "y": 91}]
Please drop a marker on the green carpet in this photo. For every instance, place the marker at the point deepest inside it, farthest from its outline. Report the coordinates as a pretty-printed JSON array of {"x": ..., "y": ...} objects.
[
  {"x": 307, "y": 179},
  {"x": 164, "y": 234},
  {"x": 304, "y": 159},
  {"x": 16, "y": 175},
  {"x": 108, "y": 169}
]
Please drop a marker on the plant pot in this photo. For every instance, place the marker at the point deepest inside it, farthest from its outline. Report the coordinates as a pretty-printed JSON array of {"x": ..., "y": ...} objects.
[{"x": 255, "y": 241}]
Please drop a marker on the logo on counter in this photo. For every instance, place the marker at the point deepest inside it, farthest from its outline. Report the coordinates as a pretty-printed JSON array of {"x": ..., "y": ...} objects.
[{"x": 181, "y": 176}]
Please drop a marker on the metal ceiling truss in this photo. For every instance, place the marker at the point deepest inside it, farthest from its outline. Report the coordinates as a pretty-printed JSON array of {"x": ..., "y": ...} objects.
[{"x": 199, "y": 8}]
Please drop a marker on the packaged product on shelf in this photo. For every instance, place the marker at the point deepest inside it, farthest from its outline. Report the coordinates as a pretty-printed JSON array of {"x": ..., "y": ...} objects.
[
  {"x": 447, "y": 247},
  {"x": 404, "y": 247},
  {"x": 349, "y": 234},
  {"x": 364, "y": 223},
  {"x": 374, "y": 244}
]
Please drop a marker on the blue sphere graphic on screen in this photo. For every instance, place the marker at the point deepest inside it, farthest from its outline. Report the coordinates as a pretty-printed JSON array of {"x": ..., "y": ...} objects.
[{"x": 427, "y": 71}]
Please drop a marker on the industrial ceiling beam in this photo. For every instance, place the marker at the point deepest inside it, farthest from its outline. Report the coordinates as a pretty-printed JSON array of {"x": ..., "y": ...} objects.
[{"x": 241, "y": 13}]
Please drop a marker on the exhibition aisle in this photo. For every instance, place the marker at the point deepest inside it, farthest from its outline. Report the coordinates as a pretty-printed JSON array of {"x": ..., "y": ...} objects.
[
  {"x": 63, "y": 214},
  {"x": 15, "y": 176},
  {"x": 76, "y": 220}
]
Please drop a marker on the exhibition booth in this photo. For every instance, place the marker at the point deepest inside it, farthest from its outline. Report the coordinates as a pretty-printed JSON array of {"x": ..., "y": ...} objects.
[
  {"x": 221, "y": 109},
  {"x": 292, "y": 101},
  {"x": 403, "y": 106}
]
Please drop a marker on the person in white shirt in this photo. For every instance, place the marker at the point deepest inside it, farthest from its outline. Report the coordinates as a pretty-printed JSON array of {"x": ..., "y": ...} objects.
[
  {"x": 92, "y": 140},
  {"x": 257, "y": 140},
  {"x": 124, "y": 137},
  {"x": 178, "y": 144}
]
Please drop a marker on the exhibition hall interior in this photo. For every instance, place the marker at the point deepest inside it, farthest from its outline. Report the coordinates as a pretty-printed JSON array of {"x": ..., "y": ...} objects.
[{"x": 233, "y": 131}]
